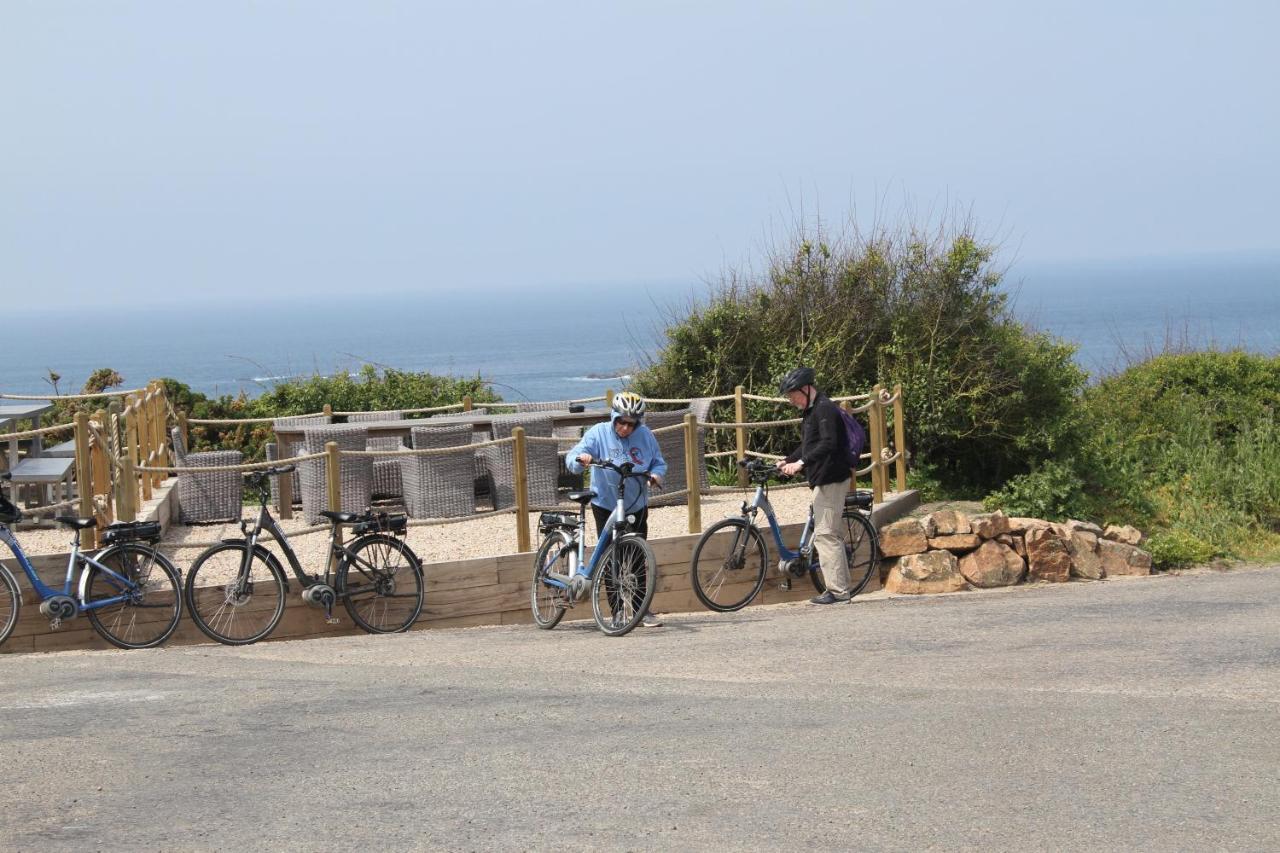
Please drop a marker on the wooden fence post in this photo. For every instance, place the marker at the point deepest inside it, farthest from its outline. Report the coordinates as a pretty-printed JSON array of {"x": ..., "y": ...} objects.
[
  {"x": 520, "y": 463},
  {"x": 328, "y": 411},
  {"x": 333, "y": 479},
  {"x": 100, "y": 455},
  {"x": 145, "y": 451},
  {"x": 466, "y": 403},
  {"x": 900, "y": 438},
  {"x": 877, "y": 445},
  {"x": 131, "y": 442},
  {"x": 159, "y": 417},
  {"x": 84, "y": 476},
  {"x": 740, "y": 415},
  {"x": 124, "y": 506},
  {"x": 691, "y": 472},
  {"x": 608, "y": 398},
  {"x": 126, "y": 492}
]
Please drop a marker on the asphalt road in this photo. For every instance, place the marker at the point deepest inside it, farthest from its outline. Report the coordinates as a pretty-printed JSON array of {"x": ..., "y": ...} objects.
[{"x": 1138, "y": 714}]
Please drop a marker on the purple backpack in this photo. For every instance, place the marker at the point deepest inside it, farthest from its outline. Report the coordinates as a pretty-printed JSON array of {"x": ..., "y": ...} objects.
[{"x": 855, "y": 439}]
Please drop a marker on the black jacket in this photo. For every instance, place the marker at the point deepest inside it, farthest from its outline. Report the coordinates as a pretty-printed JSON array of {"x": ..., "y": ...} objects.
[{"x": 823, "y": 443}]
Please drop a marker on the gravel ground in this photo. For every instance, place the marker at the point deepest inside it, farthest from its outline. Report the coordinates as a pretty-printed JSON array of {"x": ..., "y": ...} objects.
[{"x": 462, "y": 540}]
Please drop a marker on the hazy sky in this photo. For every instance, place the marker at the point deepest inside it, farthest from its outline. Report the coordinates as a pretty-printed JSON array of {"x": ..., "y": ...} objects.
[{"x": 277, "y": 148}]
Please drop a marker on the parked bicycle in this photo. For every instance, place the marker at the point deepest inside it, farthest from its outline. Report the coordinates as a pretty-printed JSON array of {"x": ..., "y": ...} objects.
[
  {"x": 131, "y": 593},
  {"x": 621, "y": 573},
  {"x": 731, "y": 558},
  {"x": 236, "y": 589}
]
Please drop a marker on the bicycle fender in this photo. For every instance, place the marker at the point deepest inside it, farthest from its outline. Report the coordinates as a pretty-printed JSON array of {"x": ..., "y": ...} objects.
[{"x": 264, "y": 554}]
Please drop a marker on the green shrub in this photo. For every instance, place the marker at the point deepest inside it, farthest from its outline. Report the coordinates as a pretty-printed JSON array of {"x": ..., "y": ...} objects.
[
  {"x": 1053, "y": 491},
  {"x": 985, "y": 399},
  {"x": 1178, "y": 548}
]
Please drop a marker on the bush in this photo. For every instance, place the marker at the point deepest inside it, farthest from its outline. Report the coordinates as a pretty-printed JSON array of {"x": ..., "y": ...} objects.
[
  {"x": 1054, "y": 491},
  {"x": 1178, "y": 548},
  {"x": 985, "y": 399}
]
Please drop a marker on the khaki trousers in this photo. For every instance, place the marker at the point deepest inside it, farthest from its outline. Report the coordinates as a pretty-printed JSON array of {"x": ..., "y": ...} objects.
[{"x": 828, "y": 515}]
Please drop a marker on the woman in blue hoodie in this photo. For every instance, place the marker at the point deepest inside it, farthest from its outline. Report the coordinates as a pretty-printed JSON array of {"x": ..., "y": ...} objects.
[{"x": 624, "y": 438}]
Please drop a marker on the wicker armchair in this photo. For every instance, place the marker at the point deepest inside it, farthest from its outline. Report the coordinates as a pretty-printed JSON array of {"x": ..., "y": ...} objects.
[
  {"x": 386, "y": 470},
  {"x": 207, "y": 497},
  {"x": 275, "y": 451},
  {"x": 440, "y": 485},
  {"x": 356, "y": 472},
  {"x": 544, "y": 461},
  {"x": 672, "y": 446}
]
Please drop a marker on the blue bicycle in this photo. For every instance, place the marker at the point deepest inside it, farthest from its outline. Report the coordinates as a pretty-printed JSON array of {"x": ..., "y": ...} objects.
[
  {"x": 731, "y": 559},
  {"x": 622, "y": 572},
  {"x": 129, "y": 590}
]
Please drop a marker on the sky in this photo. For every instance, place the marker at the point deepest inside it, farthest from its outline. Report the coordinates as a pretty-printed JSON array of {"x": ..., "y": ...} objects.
[{"x": 184, "y": 151}]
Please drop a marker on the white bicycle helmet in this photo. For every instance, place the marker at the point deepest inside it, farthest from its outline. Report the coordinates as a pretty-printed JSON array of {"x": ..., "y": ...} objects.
[{"x": 629, "y": 405}]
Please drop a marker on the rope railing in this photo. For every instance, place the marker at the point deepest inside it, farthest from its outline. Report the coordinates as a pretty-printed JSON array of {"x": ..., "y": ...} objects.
[
  {"x": 97, "y": 396},
  {"x": 238, "y": 421},
  {"x": 31, "y": 433},
  {"x": 449, "y": 408}
]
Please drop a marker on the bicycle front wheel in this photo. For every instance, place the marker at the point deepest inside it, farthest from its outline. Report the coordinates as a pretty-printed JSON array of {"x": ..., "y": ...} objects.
[
  {"x": 380, "y": 582},
  {"x": 10, "y": 603},
  {"x": 233, "y": 603},
  {"x": 150, "y": 603},
  {"x": 729, "y": 565},
  {"x": 623, "y": 586},
  {"x": 546, "y": 600}
]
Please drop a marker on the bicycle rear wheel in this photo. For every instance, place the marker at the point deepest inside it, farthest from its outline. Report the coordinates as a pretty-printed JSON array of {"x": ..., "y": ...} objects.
[
  {"x": 10, "y": 603},
  {"x": 381, "y": 584},
  {"x": 729, "y": 565},
  {"x": 547, "y": 601},
  {"x": 231, "y": 604},
  {"x": 623, "y": 586},
  {"x": 863, "y": 549},
  {"x": 148, "y": 612}
]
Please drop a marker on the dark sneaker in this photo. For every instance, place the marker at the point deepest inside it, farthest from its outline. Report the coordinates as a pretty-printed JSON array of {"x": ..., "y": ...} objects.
[
  {"x": 830, "y": 597},
  {"x": 650, "y": 621}
]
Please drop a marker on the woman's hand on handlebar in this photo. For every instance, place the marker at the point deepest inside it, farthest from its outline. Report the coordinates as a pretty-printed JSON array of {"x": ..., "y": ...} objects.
[{"x": 584, "y": 458}]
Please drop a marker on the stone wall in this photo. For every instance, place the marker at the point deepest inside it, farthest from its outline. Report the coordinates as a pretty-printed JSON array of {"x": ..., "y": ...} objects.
[{"x": 949, "y": 551}]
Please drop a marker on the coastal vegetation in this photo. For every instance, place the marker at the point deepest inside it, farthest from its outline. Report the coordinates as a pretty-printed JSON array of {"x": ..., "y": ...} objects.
[{"x": 1183, "y": 444}]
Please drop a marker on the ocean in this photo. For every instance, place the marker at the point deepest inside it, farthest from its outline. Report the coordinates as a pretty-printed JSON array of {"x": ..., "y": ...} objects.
[{"x": 566, "y": 344}]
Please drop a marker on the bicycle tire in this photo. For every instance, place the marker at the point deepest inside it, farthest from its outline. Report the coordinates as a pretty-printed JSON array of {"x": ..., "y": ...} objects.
[
  {"x": 217, "y": 606},
  {"x": 864, "y": 543},
  {"x": 745, "y": 559},
  {"x": 394, "y": 588},
  {"x": 542, "y": 596},
  {"x": 619, "y": 569},
  {"x": 151, "y": 614},
  {"x": 10, "y": 603}
]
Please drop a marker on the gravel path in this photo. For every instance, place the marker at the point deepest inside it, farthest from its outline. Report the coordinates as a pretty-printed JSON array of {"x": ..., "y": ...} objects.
[{"x": 482, "y": 537}]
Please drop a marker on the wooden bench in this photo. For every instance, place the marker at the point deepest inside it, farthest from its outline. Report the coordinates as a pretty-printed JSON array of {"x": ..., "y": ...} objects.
[{"x": 45, "y": 471}]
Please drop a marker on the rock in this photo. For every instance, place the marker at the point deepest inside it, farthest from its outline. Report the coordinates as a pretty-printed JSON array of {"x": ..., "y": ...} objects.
[
  {"x": 920, "y": 574},
  {"x": 1084, "y": 526},
  {"x": 958, "y": 542},
  {"x": 993, "y": 564},
  {"x": 950, "y": 521},
  {"x": 930, "y": 526},
  {"x": 990, "y": 525},
  {"x": 1047, "y": 556},
  {"x": 1119, "y": 559},
  {"x": 1022, "y": 525},
  {"x": 1085, "y": 562},
  {"x": 903, "y": 537},
  {"x": 1126, "y": 534}
]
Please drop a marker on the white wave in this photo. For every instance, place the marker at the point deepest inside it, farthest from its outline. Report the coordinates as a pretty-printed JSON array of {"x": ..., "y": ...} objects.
[{"x": 620, "y": 377}]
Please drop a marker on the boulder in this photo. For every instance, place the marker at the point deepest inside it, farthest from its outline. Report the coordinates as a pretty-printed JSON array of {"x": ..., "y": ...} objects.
[
  {"x": 992, "y": 565},
  {"x": 1126, "y": 534},
  {"x": 920, "y": 574},
  {"x": 1085, "y": 562},
  {"x": 950, "y": 521},
  {"x": 957, "y": 542},
  {"x": 1047, "y": 556},
  {"x": 1018, "y": 524},
  {"x": 903, "y": 537},
  {"x": 930, "y": 526},
  {"x": 1084, "y": 526},
  {"x": 1119, "y": 559},
  {"x": 989, "y": 525}
]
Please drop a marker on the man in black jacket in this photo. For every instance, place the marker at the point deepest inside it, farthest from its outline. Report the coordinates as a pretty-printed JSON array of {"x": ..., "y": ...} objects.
[{"x": 822, "y": 457}]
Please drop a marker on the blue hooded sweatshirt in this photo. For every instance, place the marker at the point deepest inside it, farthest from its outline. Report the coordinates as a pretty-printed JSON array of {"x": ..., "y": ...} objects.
[{"x": 640, "y": 448}]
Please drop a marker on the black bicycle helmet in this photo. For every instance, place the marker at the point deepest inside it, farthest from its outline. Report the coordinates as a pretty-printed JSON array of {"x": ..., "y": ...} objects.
[{"x": 797, "y": 379}]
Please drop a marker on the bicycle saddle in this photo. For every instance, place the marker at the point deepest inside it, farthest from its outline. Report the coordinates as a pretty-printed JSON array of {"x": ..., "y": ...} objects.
[
  {"x": 342, "y": 517},
  {"x": 582, "y": 497},
  {"x": 77, "y": 523}
]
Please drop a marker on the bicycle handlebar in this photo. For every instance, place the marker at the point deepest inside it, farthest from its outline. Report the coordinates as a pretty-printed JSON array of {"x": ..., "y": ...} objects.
[{"x": 270, "y": 472}]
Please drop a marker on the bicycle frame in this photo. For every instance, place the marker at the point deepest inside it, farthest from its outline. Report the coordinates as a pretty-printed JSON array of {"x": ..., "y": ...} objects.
[
  {"x": 580, "y": 565},
  {"x": 761, "y": 502},
  {"x": 76, "y": 559},
  {"x": 267, "y": 522}
]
